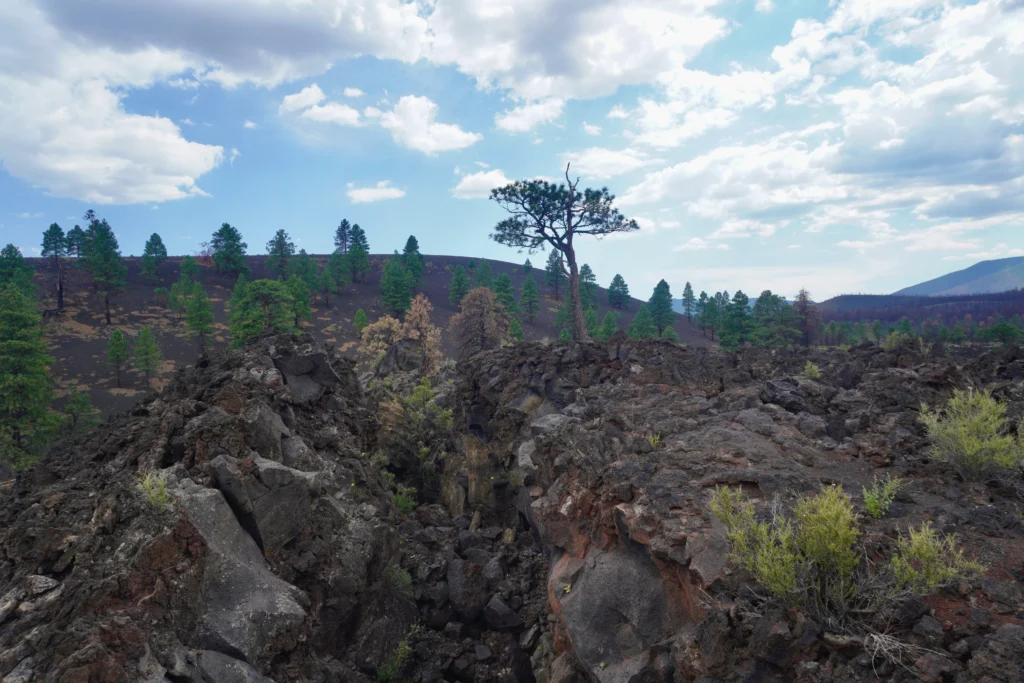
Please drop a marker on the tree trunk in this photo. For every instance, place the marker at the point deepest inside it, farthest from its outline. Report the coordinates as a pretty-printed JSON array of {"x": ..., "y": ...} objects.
[
  {"x": 117, "y": 374},
  {"x": 579, "y": 326},
  {"x": 106, "y": 306},
  {"x": 60, "y": 291}
]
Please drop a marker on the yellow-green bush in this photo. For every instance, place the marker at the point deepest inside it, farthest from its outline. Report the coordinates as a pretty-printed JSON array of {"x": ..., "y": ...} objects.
[
  {"x": 813, "y": 561},
  {"x": 812, "y": 371},
  {"x": 154, "y": 488},
  {"x": 925, "y": 562},
  {"x": 879, "y": 498},
  {"x": 971, "y": 435}
]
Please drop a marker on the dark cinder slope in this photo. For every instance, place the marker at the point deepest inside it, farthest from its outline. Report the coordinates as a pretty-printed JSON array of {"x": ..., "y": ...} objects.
[{"x": 999, "y": 275}]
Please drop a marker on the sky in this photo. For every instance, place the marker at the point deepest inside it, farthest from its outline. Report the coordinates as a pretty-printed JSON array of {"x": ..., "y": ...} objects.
[{"x": 854, "y": 146}]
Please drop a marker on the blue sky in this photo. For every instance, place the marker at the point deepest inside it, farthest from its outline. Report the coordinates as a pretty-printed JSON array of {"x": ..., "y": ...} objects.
[{"x": 852, "y": 146}]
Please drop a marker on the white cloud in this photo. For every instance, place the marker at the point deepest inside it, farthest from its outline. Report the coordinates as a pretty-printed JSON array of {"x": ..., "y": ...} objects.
[
  {"x": 187, "y": 122},
  {"x": 743, "y": 228},
  {"x": 699, "y": 244},
  {"x": 412, "y": 124},
  {"x": 307, "y": 97},
  {"x": 482, "y": 164},
  {"x": 1001, "y": 250},
  {"x": 380, "y": 192},
  {"x": 332, "y": 112},
  {"x": 600, "y": 163},
  {"x": 528, "y": 117},
  {"x": 353, "y": 92},
  {"x": 764, "y": 5},
  {"x": 249, "y": 124},
  {"x": 591, "y": 129},
  {"x": 231, "y": 157},
  {"x": 479, "y": 185},
  {"x": 28, "y": 214}
]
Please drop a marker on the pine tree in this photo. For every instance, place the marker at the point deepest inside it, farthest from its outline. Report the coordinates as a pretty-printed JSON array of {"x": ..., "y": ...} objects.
[
  {"x": 103, "y": 261},
  {"x": 359, "y": 321},
  {"x": 563, "y": 318},
  {"x": 189, "y": 269},
  {"x": 554, "y": 271},
  {"x": 774, "y": 324},
  {"x": 153, "y": 254},
  {"x": 340, "y": 271},
  {"x": 643, "y": 325},
  {"x": 515, "y": 330},
  {"x": 26, "y": 388},
  {"x": 670, "y": 334},
  {"x": 358, "y": 253},
  {"x": 527, "y": 267},
  {"x": 544, "y": 213},
  {"x": 394, "y": 285},
  {"x": 326, "y": 285},
  {"x": 458, "y": 287},
  {"x": 736, "y": 322},
  {"x": 147, "y": 353},
  {"x": 702, "y": 304},
  {"x": 79, "y": 412},
  {"x": 481, "y": 324},
  {"x": 588, "y": 286},
  {"x": 660, "y": 306},
  {"x": 807, "y": 315},
  {"x": 689, "y": 302},
  {"x": 298, "y": 290},
  {"x": 609, "y": 326},
  {"x": 417, "y": 326},
  {"x": 55, "y": 247},
  {"x": 482, "y": 276},
  {"x": 303, "y": 266},
  {"x": 261, "y": 306},
  {"x": 592, "y": 322},
  {"x": 229, "y": 251},
  {"x": 280, "y": 249},
  {"x": 504, "y": 292},
  {"x": 181, "y": 291},
  {"x": 712, "y": 318},
  {"x": 75, "y": 239},
  {"x": 199, "y": 316},
  {"x": 565, "y": 334},
  {"x": 529, "y": 298},
  {"x": 237, "y": 294},
  {"x": 117, "y": 352},
  {"x": 341, "y": 237},
  {"x": 413, "y": 262},
  {"x": 15, "y": 270},
  {"x": 618, "y": 292}
]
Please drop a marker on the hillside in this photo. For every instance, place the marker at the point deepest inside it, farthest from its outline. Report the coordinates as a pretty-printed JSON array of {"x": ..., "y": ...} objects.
[
  {"x": 999, "y": 275},
  {"x": 79, "y": 342},
  {"x": 892, "y": 307}
]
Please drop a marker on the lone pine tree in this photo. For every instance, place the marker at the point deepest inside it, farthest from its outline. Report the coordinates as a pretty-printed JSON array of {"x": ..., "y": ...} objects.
[
  {"x": 55, "y": 249},
  {"x": 280, "y": 249},
  {"x": 229, "y": 251},
  {"x": 545, "y": 213}
]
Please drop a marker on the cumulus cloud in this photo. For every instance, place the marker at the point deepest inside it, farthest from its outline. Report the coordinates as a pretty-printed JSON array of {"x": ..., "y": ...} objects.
[
  {"x": 699, "y": 244},
  {"x": 353, "y": 92},
  {"x": 601, "y": 163},
  {"x": 591, "y": 129},
  {"x": 1001, "y": 250},
  {"x": 412, "y": 124},
  {"x": 380, "y": 192},
  {"x": 479, "y": 185},
  {"x": 307, "y": 97},
  {"x": 528, "y": 117},
  {"x": 332, "y": 112},
  {"x": 249, "y": 124}
]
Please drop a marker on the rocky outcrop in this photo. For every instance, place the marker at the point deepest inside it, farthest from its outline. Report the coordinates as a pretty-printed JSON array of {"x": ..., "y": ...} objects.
[{"x": 614, "y": 450}]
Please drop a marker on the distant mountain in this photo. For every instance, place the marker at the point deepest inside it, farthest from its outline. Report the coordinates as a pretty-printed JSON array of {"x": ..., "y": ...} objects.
[{"x": 1000, "y": 275}]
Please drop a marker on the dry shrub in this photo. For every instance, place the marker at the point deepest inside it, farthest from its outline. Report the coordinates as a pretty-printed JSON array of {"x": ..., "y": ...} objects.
[{"x": 482, "y": 324}]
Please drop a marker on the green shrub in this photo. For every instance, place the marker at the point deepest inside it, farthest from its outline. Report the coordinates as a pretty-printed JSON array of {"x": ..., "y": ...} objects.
[
  {"x": 971, "y": 435},
  {"x": 879, "y": 498},
  {"x": 405, "y": 499},
  {"x": 812, "y": 371},
  {"x": 398, "y": 579},
  {"x": 894, "y": 340},
  {"x": 925, "y": 562},
  {"x": 654, "y": 440},
  {"x": 812, "y": 561},
  {"x": 154, "y": 488},
  {"x": 391, "y": 670}
]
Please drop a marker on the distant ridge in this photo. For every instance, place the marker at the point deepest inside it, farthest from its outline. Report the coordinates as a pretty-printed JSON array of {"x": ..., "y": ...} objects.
[{"x": 999, "y": 275}]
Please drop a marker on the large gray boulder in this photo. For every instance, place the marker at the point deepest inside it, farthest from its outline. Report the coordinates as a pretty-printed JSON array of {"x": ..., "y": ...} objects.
[
  {"x": 219, "y": 668},
  {"x": 248, "y": 609},
  {"x": 276, "y": 499}
]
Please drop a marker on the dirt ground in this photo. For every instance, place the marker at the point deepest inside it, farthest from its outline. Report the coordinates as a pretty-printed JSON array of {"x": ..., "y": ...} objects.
[{"x": 78, "y": 341}]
